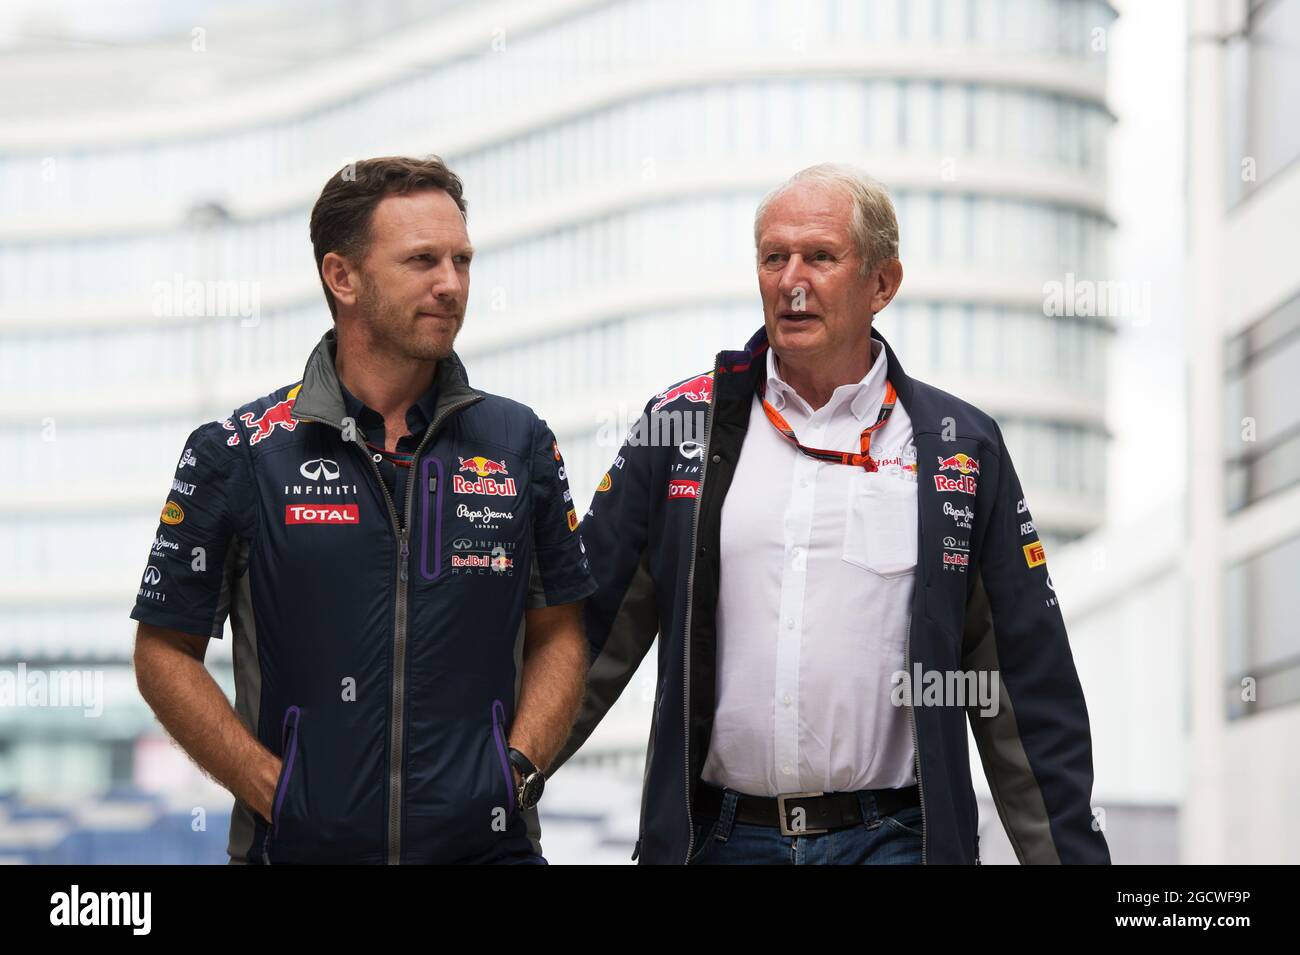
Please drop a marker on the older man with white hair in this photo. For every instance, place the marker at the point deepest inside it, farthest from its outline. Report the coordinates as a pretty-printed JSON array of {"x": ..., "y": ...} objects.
[{"x": 841, "y": 573}]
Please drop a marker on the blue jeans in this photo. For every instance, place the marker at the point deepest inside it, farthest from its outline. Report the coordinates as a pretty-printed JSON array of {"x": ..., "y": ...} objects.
[{"x": 879, "y": 840}]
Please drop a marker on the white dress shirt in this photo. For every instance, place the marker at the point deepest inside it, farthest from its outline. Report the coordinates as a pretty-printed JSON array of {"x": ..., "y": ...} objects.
[{"x": 818, "y": 564}]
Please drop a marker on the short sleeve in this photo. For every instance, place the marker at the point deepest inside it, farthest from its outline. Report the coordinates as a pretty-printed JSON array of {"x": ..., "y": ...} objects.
[
  {"x": 186, "y": 582},
  {"x": 560, "y": 572}
]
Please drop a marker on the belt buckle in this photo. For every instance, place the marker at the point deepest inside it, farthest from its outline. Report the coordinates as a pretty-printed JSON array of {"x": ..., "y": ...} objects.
[{"x": 785, "y": 829}]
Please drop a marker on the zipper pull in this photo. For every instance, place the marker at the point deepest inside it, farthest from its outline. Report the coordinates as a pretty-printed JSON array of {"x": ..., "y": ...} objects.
[{"x": 406, "y": 555}]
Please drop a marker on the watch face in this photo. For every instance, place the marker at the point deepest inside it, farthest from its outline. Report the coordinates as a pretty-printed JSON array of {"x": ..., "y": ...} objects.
[{"x": 531, "y": 791}]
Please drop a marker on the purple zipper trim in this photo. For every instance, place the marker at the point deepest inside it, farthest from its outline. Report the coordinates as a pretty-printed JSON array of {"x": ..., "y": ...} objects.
[
  {"x": 498, "y": 734},
  {"x": 437, "y": 521},
  {"x": 288, "y": 763}
]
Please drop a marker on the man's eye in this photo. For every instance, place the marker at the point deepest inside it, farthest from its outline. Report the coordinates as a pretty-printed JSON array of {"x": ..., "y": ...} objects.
[{"x": 823, "y": 256}]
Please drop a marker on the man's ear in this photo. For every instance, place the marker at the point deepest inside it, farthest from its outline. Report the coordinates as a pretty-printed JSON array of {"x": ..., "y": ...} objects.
[
  {"x": 342, "y": 277},
  {"x": 889, "y": 276}
]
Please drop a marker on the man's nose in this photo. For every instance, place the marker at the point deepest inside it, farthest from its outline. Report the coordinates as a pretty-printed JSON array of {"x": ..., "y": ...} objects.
[
  {"x": 794, "y": 276},
  {"x": 446, "y": 279}
]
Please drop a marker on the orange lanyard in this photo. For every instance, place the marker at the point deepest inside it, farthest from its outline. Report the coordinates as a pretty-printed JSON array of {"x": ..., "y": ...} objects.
[{"x": 863, "y": 459}]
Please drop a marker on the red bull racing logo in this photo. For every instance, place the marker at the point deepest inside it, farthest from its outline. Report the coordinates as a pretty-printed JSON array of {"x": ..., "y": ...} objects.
[
  {"x": 278, "y": 414},
  {"x": 486, "y": 471},
  {"x": 964, "y": 465},
  {"x": 698, "y": 389}
]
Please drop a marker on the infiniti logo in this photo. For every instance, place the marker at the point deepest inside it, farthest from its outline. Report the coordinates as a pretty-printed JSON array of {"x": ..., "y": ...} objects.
[
  {"x": 691, "y": 449},
  {"x": 317, "y": 467},
  {"x": 152, "y": 575},
  {"x": 462, "y": 543}
]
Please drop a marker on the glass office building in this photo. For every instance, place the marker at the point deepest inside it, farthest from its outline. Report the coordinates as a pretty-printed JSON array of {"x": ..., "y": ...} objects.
[{"x": 156, "y": 272}]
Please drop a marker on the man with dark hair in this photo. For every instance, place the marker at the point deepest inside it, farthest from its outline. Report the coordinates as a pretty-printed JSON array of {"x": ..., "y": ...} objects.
[{"x": 398, "y": 555}]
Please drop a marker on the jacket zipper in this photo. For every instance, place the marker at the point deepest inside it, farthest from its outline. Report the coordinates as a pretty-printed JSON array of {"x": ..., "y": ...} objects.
[
  {"x": 690, "y": 593},
  {"x": 916, "y": 746},
  {"x": 402, "y": 530}
]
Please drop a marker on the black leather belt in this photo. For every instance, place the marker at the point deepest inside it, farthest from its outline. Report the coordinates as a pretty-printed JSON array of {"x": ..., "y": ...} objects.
[{"x": 822, "y": 812}]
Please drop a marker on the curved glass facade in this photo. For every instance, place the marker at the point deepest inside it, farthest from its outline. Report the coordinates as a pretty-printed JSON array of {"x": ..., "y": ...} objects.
[{"x": 613, "y": 159}]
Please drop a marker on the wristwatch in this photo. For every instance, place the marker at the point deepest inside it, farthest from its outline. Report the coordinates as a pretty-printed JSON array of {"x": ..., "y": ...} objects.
[{"x": 530, "y": 789}]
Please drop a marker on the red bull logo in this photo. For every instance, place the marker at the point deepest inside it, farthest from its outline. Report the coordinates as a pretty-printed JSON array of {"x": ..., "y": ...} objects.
[
  {"x": 278, "y": 414},
  {"x": 699, "y": 389},
  {"x": 965, "y": 484},
  {"x": 483, "y": 467},
  {"x": 962, "y": 463}
]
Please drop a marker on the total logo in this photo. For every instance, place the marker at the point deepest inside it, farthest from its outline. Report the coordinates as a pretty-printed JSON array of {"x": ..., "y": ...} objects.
[
  {"x": 683, "y": 490},
  {"x": 485, "y": 470},
  {"x": 698, "y": 389},
  {"x": 187, "y": 460},
  {"x": 337, "y": 514}
]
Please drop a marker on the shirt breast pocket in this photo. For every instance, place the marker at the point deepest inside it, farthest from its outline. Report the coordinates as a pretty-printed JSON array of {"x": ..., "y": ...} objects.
[{"x": 880, "y": 524}]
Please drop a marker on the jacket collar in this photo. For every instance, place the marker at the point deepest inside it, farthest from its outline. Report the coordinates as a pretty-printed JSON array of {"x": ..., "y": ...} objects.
[
  {"x": 751, "y": 361},
  {"x": 321, "y": 396}
]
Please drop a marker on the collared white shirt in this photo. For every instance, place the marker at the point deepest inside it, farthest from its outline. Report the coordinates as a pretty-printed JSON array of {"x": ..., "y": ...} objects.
[{"x": 818, "y": 563}]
